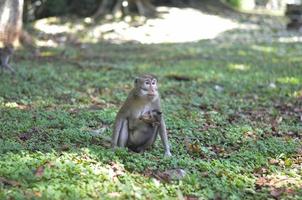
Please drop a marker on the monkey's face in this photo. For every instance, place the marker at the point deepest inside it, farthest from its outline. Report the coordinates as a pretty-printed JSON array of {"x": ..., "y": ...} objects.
[{"x": 147, "y": 87}]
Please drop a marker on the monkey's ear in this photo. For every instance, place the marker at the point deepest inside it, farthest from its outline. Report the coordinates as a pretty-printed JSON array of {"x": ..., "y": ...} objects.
[
  {"x": 155, "y": 77},
  {"x": 136, "y": 80}
]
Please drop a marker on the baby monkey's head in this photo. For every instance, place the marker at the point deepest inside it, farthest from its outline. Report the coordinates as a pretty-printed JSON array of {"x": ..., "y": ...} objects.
[{"x": 151, "y": 117}]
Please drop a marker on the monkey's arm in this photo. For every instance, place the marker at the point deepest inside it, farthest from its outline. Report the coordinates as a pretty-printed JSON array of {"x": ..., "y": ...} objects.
[
  {"x": 164, "y": 137},
  {"x": 162, "y": 128},
  {"x": 7, "y": 66}
]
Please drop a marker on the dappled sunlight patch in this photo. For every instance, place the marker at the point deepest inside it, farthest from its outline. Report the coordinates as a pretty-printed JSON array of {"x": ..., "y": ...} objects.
[
  {"x": 239, "y": 67},
  {"x": 54, "y": 25},
  {"x": 54, "y": 175},
  {"x": 284, "y": 179},
  {"x": 174, "y": 25},
  {"x": 11, "y": 105},
  {"x": 298, "y": 94},
  {"x": 289, "y": 80},
  {"x": 74, "y": 175},
  {"x": 47, "y": 53},
  {"x": 297, "y": 59},
  {"x": 15, "y": 105},
  {"x": 47, "y": 43},
  {"x": 290, "y": 39},
  {"x": 266, "y": 49}
]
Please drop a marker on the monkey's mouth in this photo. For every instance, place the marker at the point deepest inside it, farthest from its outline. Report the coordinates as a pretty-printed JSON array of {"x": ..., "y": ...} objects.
[{"x": 150, "y": 95}]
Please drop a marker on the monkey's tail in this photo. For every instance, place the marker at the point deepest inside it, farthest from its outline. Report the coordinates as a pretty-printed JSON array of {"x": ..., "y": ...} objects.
[
  {"x": 105, "y": 141},
  {"x": 97, "y": 132}
]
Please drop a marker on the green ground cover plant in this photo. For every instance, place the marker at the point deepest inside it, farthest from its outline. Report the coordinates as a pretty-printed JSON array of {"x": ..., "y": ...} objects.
[{"x": 232, "y": 107}]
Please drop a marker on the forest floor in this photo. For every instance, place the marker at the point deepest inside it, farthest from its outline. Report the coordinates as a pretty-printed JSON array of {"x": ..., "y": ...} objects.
[{"x": 231, "y": 97}]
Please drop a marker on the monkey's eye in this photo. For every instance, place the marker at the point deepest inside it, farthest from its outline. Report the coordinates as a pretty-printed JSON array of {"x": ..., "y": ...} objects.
[
  {"x": 153, "y": 82},
  {"x": 147, "y": 82}
]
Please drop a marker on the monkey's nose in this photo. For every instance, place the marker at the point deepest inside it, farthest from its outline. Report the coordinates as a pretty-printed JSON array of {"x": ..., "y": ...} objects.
[{"x": 151, "y": 92}]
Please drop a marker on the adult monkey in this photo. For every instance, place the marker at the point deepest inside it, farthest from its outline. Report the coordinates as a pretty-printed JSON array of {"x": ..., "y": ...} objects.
[
  {"x": 129, "y": 128},
  {"x": 5, "y": 54}
]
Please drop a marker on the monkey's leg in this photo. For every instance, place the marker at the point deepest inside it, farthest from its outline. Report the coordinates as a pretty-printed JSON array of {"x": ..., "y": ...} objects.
[
  {"x": 154, "y": 136},
  {"x": 164, "y": 137},
  {"x": 118, "y": 125},
  {"x": 7, "y": 66},
  {"x": 148, "y": 144},
  {"x": 123, "y": 135}
]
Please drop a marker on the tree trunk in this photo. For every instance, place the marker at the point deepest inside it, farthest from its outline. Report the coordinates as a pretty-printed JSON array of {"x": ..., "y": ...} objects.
[
  {"x": 123, "y": 7},
  {"x": 145, "y": 8},
  {"x": 102, "y": 9},
  {"x": 10, "y": 21}
]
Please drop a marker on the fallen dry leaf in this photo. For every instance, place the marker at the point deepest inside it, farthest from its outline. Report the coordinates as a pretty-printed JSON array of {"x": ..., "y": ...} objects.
[
  {"x": 170, "y": 175},
  {"x": 261, "y": 181},
  {"x": 116, "y": 170},
  {"x": 273, "y": 161},
  {"x": 191, "y": 197},
  {"x": 38, "y": 194},
  {"x": 250, "y": 135},
  {"x": 276, "y": 192},
  {"x": 260, "y": 171},
  {"x": 9, "y": 182},
  {"x": 40, "y": 171},
  {"x": 114, "y": 194},
  {"x": 163, "y": 177},
  {"x": 192, "y": 147}
]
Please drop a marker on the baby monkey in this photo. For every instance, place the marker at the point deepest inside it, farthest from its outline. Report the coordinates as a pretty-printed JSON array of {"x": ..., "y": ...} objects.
[
  {"x": 152, "y": 117},
  {"x": 5, "y": 54},
  {"x": 139, "y": 120}
]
